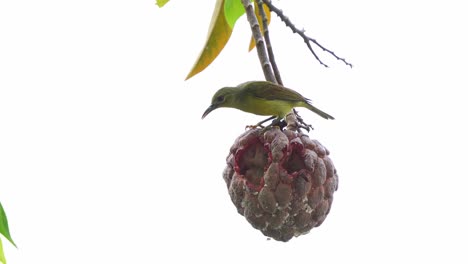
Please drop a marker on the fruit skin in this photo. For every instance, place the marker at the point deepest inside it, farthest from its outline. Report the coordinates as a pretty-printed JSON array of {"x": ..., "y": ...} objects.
[{"x": 282, "y": 182}]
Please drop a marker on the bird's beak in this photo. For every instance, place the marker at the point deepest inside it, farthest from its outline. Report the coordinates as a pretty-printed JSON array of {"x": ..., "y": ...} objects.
[{"x": 208, "y": 110}]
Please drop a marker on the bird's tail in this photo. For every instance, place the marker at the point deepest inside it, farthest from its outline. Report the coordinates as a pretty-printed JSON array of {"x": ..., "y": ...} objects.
[{"x": 318, "y": 111}]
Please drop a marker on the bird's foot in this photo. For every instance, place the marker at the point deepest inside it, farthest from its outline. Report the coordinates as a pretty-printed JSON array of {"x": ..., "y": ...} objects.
[
  {"x": 260, "y": 124},
  {"x": 278, "y": 122},
  {"x": 253, "y": 126}
]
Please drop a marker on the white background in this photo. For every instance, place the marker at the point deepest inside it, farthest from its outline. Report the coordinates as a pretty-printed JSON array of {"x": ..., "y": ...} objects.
[{"x": 104, "y": 157}]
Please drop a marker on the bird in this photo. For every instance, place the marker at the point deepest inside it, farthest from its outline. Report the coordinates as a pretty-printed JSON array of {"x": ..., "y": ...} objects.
[{"x": 262, "y": 98}]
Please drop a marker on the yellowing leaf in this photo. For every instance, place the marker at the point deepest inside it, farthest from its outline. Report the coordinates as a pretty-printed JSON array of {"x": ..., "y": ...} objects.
[
  {"x": 2, "y": 256},
  {"x": 218, "y": 35},
  {"x": 161, "y": 3},
  {"x": 259, "y": 18}
]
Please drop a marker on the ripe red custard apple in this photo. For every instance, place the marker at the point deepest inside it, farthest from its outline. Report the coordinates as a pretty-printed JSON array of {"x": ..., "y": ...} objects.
[{"x": 282, "y": 182}]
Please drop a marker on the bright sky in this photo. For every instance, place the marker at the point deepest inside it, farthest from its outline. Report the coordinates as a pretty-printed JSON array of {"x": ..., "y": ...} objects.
[{"x": 104, "y": 157}]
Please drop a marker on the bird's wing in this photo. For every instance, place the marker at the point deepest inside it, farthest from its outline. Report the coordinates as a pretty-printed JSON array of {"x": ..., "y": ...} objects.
[{"x": 271, "y": 91}]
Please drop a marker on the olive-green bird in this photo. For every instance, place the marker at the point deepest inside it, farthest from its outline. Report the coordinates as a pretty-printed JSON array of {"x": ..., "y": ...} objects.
[{"x": 262, "y": 98}]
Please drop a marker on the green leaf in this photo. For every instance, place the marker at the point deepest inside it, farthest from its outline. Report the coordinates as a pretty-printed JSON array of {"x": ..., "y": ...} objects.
[
  {"x": 233, "y": 9},
  {"x": 161, "y": 3},
  {"x": 218, "y": 35},
  {"x": 4, "y": 226},
  {"x": 2, "y": 256}
]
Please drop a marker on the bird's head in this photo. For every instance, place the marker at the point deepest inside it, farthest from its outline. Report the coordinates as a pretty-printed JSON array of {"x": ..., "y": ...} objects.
[{"x": 224, "y": 97}]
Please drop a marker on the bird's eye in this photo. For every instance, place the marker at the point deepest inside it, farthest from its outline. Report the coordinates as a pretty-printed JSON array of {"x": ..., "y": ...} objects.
[{"x": 219, "y": 99}]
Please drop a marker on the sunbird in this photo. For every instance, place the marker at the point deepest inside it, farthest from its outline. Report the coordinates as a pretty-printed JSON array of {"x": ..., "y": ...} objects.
[{"x": 262, "y": 98}]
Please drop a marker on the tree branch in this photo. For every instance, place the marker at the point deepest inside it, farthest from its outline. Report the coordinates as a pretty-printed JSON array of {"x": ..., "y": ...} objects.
[
  {"x": 306, "y": 38},
  {"x": 259, "y": 42},
  {"x": 266, "y": 35}
]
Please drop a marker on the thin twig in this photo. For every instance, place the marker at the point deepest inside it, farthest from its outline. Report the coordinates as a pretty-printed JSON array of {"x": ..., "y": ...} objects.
[
  {"x": 306, "y": 38},
  {"x": 266, "y": 35},
  {"x": 260, "y": 43}
]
